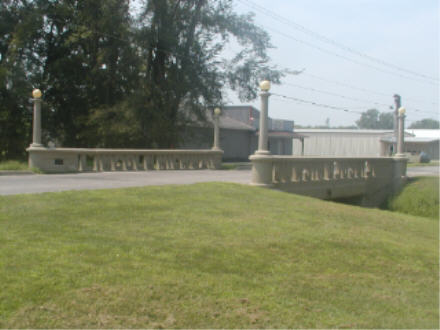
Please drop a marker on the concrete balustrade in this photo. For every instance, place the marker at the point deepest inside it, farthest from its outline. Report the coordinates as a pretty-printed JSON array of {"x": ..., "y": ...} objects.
[
  {"x": 98, "y": 160},
  {"x": 371, "y": 179}
]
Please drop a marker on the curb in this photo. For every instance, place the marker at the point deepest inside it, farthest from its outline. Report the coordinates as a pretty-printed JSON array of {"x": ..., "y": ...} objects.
[{"x": 16, "y": 173}]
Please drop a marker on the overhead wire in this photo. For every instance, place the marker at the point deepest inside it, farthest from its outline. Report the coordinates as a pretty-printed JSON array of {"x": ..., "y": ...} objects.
[
  {"x": 317, "y": 104},
  {"x": 326, "y": 106},
  {"x": 322, "y": 38},
  {"x": 279, "y": 95},
  {"x": 363, "y": 89},
  {"x": 311, "y": 45},
  {"x": 352, "y": 98}
]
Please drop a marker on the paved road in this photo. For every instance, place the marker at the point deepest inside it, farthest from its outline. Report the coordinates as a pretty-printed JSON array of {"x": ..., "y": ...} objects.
[
  {"x": 24, "y": 184},
  {"x": 423, "y": 171}
]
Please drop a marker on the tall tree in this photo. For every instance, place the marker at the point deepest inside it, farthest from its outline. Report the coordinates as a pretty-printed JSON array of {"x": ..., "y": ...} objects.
[
  {"x": 17, "y": 26},
  {"x": 426, "y": 124},
  {"x": 88, "y": 63},
  {"x": 373, "y": 119},
  {"x": 78, "y": 52},
  {"x": 185, "y": 67},
  {"x": 111, "y": 81}
]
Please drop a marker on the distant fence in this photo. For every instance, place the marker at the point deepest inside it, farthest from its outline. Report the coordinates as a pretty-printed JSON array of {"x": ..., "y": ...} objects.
[
  {"x": 373, "y": 179},
  {"x": 97, "y": 160}
]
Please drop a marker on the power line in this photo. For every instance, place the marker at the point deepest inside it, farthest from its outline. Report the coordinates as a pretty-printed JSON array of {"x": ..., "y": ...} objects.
[
  {"x": 322, "y": 105},
  {"x": 363, "y": 89},
  {"x": 311, "y": 45},
  {"x": 352, "y": 98},
  {"x": 333, "y": 42},
  {"x": 337, "y": 95}
]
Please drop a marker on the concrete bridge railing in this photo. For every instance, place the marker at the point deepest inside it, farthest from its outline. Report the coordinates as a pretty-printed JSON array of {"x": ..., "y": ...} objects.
[
  {"x": 370, "y": 179},
  {"x": 83, "y": 159}
]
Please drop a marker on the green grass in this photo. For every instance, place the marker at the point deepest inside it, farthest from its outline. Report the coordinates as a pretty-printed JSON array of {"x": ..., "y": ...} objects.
[
  {"x": 234, "y": 165},
  {"x": 212, "y": 256},
  {"x": 229, "y": 166},
  {"x": 431, "y": 163},
  {"x": 419, "y": 197},
  {"x": 13, "y": 165}
]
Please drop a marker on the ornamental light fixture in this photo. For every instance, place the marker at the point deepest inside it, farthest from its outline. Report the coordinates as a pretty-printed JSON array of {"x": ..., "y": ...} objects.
[
  {"x": 36, "y": 93},
  {"x": 265, "y": 85}
]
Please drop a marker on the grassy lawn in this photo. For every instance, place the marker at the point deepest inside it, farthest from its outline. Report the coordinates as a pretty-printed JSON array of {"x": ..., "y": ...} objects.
[
  {"x": 212, "y": 256},
  {"x": 419, "y": 197},
  {"x": 431, "y": 163},
  {"x": 13, "y": 165}
]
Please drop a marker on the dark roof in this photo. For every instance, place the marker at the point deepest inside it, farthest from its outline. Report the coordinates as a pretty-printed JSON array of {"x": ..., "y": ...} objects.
[
  {"x": 230, "y": 123},
  {"x": 411, "y": 140},
  {"x": 284, "y": 134}
]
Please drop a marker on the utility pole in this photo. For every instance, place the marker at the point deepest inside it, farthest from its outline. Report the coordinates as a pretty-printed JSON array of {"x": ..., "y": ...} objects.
[{"x": 397, "y": 105}]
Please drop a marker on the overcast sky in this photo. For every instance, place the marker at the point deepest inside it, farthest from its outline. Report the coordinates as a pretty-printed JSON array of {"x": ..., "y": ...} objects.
[{"x": 404, "y": 33}]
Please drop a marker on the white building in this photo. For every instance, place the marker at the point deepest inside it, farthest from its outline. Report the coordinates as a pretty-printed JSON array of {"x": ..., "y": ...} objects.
[
  {"x": 419, "y": 140},
  {"x": 340, "y": 142},
  {"x": 363, "y": 143}
]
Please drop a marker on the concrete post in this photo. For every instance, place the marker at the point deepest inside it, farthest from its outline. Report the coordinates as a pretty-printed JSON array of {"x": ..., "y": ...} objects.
[
  {"x": 400, "y": 160},
  {"x": 302, "y": 146},
  {"x": 36, "y": 134},
  {"x": 401, "y": 134},
  {"x": 263, "y": 132},
  {"x": 217, "y": 113},
  {"x": 262, "y": 159},
  {"x": 397, "y": 103}
]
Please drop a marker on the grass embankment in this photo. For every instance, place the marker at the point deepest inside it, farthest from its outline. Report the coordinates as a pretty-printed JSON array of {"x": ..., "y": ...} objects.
[
  {"x": 431, "y": 163},
  {"x": 210, "y": 256},
  {"x": 13, "y": 165},
  {"x": 419, "y": 197}
]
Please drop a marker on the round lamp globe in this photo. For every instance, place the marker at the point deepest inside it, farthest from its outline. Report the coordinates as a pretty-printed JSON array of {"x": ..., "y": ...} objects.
[
  {"x": 36, "y": 93},
  {"x": 265, "y": 85}
]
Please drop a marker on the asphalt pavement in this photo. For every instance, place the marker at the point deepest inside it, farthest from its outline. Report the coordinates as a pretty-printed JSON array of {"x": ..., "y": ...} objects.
[
  {"x": 38, "y": 183},
  {"x": 422, "y": 171}
]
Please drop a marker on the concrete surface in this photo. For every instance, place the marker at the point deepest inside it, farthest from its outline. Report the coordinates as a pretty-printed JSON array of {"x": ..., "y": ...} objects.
[
  {"x": 423, "y": 171},
  {"x": 38, "y": 183}
]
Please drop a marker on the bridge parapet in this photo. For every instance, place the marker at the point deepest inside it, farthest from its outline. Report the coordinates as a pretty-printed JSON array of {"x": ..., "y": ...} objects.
[
  {"x": 97, "y": 160},
  {"x": 372, "y": 179}
]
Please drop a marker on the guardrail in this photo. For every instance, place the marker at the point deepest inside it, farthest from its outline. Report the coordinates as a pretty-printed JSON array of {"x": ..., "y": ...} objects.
[
  {"x": 97, "y": 160},
  {"x": 374, "y": 178}
]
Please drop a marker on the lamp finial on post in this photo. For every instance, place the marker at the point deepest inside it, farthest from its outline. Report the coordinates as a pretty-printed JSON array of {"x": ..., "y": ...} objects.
[
  {"x": 217, "y": 113},
  {"x": 401, "y": 133},
  {"x": 36, "y": 132},
  {"x": 264, "y": 118},
  {"x": 261, "y": 160}
]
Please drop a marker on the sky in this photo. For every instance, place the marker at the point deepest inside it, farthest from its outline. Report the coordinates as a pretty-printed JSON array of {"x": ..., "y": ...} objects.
[{"x": 402, "y": 33}]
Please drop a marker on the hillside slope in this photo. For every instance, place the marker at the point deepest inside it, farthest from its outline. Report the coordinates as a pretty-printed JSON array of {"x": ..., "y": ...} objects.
[
  {"x": 420, "y": 196},
  {"x": 209, "y": 256}
]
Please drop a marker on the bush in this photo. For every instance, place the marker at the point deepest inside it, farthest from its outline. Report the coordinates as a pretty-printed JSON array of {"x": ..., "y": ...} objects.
[
  {"x": 419, "y": 197},
  {"x": 424, "y": 158}
]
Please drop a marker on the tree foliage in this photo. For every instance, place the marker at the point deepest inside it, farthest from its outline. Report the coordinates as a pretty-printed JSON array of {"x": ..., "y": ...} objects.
[
  {"x": 373, "y": 119},
  {"x": 426, "y": 124},
  {"x": 110, "y": 79}
]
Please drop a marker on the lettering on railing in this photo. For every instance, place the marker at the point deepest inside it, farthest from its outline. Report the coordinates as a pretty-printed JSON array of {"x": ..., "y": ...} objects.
[
  {"x": 372, "y": 179},
  {"x": 98, "y": 160},
  {"x": 301, "y": 170}
]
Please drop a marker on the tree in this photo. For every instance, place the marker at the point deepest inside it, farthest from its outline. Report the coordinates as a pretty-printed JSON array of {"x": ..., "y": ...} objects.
[
  {"x": 79, "y": 53},
  {"x": 15, "y": 84},
  {"x": 386, "y": 120},
  {"x": 111, "y": 80},
  {"x": 426, "y": 123},
  {"x": 372, "y": 119},
  {"x": 185, "y": 70}
]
